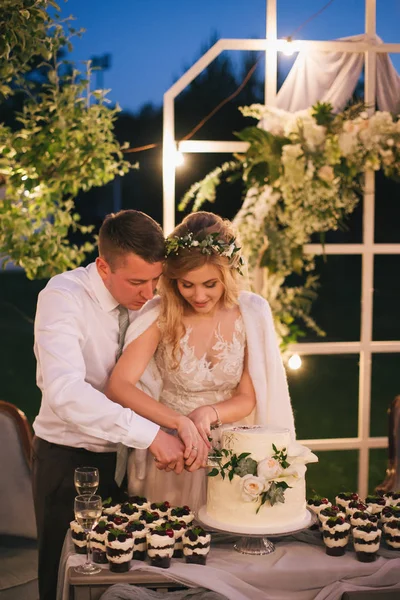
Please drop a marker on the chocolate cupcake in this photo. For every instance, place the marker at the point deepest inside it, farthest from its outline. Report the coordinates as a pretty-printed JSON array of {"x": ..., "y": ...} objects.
[
  {"x": 98, "y": 537},
  {"x": 366, "y": 541},
  {"x": 162, "y": 508},
  {"x": 391, "y": 531},
  {"x": 160, "y": 546},
  {"x": 139, "y": 532},
  {"x": 110, "y": 507},
  {"x": 119, "y": 548},
  {"x": 196, "y": 545},
  {"x": 363, "y": 517},
  {"x": 344, "y": 498},
  {"x": 182, "y": 513},
  {"x": 336, "y": 533},
  {"x": 130, "y": 511},
  {"x": 117, "y": 521},
  {"x": 375, "y": 504},
  {"x": 78, "y": 537}
]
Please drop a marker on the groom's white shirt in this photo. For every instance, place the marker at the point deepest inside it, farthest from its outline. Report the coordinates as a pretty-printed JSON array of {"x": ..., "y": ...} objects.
[{"x": 76, "y": 340}]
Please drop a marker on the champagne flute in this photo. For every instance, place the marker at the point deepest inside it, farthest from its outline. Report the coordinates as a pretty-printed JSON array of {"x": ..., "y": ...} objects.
[
  {"x": 86, "y": 480},
  {"x": 87, "y": 514}
]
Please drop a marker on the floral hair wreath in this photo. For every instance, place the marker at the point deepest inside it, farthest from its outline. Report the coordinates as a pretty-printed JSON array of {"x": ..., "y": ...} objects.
[{"x": 208, "y": 245}]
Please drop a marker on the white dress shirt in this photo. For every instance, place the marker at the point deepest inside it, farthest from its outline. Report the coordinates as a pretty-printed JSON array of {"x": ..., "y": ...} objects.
[{"x": 76, "y": 341}]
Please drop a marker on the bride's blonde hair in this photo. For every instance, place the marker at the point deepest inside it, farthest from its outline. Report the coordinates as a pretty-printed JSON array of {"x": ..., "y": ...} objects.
[{"x": 188, "y": 257}]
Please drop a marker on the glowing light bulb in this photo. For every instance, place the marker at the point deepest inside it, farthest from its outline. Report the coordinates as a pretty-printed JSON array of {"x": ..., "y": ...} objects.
[
  {"x": 179, "y": 159},
  {"x": 294, "y": 362}
]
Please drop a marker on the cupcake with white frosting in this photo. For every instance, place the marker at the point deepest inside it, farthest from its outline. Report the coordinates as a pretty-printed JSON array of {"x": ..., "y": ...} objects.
[
  {"x": 328, "y": 513},
  {"x": 151, "y": 519},
  {"x": 391, "y": 530},
  {"x": 78, "y": 537},
  {"x": 375, "y": 504},
  {"x": 317, "y": 504},
  {"x": 160, "y": 546},
  {"x": 117, "y": 521},
  {"x": 98, "y": 537},
  {"x": 139, "y": 533},
  {"x": 344, "y": 498},
  {"x": 366, "y": 541},
  {"x": 179, "y": 528},
  {"x": 119, "y": 548},
  {"x": 140, "y": 502},
  {"x": 196, "y": 545},
  {"x": 336, "y": 533},
  {"x": 355, "y": 506},
  {"x": 162, "y": 508}
]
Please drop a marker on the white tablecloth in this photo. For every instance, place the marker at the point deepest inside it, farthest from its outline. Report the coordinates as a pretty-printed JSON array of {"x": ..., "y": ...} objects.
[{"x": 299, "y": 569}]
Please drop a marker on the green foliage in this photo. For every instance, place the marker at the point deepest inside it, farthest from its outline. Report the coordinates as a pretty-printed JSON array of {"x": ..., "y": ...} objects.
[
  {"x": 303, "y": 176},
  {"x": 66, "y": 144},
  {"x": 274, "y": 494},
  {"x": 240, "y": 465}
]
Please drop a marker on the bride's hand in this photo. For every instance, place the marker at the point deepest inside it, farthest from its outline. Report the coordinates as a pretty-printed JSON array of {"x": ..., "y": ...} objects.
[
  {"x": 196, "y": 450},
  {"x": 203, "y": 417}
]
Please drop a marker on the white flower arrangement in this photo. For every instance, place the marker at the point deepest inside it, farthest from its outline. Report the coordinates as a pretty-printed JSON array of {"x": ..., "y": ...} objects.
[
  {"x": 302, "y": 174},
  {"x": 267, "y": 480}
]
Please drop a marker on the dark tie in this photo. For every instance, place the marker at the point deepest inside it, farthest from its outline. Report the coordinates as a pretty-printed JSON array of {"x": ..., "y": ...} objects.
[{"x": 122, "y": 451}]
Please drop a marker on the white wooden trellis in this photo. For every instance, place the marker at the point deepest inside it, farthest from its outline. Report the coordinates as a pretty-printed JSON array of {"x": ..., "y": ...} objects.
[{"x": 367, "y": 249}]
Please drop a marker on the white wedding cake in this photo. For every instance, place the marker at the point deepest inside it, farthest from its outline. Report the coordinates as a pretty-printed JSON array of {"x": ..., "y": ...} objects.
[{"x": 256, "y": 482}]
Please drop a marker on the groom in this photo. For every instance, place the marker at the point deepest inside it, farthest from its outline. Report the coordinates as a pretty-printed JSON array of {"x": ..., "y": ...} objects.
[{"x": 81, "y": 321}]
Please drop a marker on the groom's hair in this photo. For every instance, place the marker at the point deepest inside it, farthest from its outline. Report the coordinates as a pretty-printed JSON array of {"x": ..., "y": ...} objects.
[{"x": 131, "y": 231}]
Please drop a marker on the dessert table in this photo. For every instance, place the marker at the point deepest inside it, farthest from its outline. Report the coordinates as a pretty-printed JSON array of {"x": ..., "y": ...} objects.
[{"x": 299, "y": 569}]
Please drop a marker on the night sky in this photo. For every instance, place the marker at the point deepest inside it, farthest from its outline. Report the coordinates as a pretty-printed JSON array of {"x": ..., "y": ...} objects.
[{"x": 152, "y": 42}]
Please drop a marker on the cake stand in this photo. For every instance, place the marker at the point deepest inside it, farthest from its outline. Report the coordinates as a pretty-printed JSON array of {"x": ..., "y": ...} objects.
[{"x": 251, "y": 542}]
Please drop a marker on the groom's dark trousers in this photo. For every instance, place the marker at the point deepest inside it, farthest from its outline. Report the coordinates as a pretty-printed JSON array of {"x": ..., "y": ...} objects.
[{"x": 53, "y": 469}]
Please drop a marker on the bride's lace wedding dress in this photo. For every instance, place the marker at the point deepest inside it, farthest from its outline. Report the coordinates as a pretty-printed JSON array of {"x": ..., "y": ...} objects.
[{"x": 208, "y": 372}]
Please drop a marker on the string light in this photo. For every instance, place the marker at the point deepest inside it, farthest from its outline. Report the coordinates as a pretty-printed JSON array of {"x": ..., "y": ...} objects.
[{"x": 294, "y": 362}]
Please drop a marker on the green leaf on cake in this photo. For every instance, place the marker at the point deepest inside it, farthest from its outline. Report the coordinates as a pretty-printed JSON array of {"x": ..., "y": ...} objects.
[
  {"x": 246, "y": 466},
  {"x": 213, "y": 473}
]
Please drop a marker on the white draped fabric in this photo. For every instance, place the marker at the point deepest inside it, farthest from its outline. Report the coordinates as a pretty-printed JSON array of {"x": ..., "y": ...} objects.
[{"x": 332, "y": 77}]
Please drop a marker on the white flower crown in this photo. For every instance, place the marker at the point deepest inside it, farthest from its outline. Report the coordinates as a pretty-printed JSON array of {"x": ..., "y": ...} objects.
[{"x": 207, "y": 245}]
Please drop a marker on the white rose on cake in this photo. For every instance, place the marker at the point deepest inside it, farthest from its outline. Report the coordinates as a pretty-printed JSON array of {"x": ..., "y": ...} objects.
[
  {"x": 252, "y": 487},
  {"x": 269, "y": 468}
]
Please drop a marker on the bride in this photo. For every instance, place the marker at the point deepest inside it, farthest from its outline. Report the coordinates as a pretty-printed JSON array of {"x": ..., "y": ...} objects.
[{"x": 200, "y": 355}]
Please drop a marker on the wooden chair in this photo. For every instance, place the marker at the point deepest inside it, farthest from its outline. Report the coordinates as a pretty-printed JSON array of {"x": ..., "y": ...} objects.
[
  {"x": 18, "y": 544},
  {"x": 392, "y": 480}
]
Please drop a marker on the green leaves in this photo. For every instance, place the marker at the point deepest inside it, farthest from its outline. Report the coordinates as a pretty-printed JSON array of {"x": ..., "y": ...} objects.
[
  {"x": 280, "y": 456},
  {"x": 275, "y": 494},
  {"x": 240, "y": 465}
]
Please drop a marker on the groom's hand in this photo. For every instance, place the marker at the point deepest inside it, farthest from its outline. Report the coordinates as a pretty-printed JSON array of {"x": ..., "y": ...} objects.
[{"x": 167, "y": 449}]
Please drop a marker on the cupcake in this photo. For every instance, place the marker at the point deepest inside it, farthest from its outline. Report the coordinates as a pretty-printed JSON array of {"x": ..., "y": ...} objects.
[
  {"x": 336, "y": 533},
  {"x": 389, "y": 513},
  {"x": 391, "y": 530},
  {"x": 119, "y": 548},
  {"x": 163, "y": 508},
  {"x": 375, "y": 504},
  {"x": 355, "y": 506},
  {"x": 117, "y": 521},
  {"x": 363, "y": 517},
  {"x": 366, "y": 540},
  {"x": 139, "y": 532},
  {"x": 110, "y": 507},
  {"x": 328, "y": 513},
  {"x": 78, "y": 537},
  {"x": 196, "y": 545},
  {"x": 130, "y": 511},
  {"x": 344, "y": 498},
  {"x": 140, "y": 502},
  {"x": 179, "y": 528},
  {"x": 160, "y": 546},
  {"x": 98, "y": 537},
  {"x": 182, "y": 513}
]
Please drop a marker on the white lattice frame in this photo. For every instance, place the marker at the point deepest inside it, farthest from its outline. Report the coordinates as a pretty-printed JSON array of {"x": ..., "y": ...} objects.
[{"x": 367, "y": 250}]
